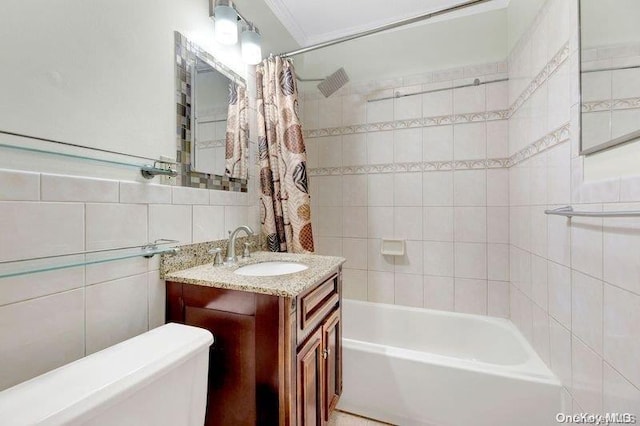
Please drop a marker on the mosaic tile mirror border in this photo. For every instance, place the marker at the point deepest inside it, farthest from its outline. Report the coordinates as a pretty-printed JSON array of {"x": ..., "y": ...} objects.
[{"x": 185, "y": 54}]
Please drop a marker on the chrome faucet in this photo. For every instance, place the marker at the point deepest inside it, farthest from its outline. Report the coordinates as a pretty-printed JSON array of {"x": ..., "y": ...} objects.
[{"x": 231, "y": 246}]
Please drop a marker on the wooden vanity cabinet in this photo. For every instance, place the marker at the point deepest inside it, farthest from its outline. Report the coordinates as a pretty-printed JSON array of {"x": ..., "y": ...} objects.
[{"x": 275, "y": 360}]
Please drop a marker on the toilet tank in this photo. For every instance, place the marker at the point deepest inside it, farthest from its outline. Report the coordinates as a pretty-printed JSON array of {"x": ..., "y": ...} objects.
[{"x": 157, "y": 378}]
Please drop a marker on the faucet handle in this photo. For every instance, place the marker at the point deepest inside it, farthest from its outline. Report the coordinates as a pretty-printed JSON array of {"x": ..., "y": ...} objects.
[
  {"x": 217, "y": 259},
  {"x": 246, "y": 253}
]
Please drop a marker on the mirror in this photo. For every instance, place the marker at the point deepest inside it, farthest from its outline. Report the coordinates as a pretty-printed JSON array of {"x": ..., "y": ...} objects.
[
  {"x": 210, "y": 105},
  {"x": 209, "y": 97},
  {"x": 609, "y": 73}
]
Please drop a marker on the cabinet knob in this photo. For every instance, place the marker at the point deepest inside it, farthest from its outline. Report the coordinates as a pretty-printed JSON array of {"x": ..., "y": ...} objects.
[{"x": 325, "y": 353}]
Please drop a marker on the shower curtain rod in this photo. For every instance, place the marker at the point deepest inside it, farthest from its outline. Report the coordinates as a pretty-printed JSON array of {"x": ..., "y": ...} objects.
[{"x": 386, "y": 27}]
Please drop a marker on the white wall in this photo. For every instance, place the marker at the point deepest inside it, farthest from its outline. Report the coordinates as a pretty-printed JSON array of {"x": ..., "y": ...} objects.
[
  {"x": 98, "y": 73},
  {"x": 385, "y": 169},
  {"x": 574, "y": 283}
]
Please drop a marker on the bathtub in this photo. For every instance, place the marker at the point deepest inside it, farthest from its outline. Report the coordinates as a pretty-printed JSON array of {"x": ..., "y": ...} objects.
[{"x": 410, "y": 366}]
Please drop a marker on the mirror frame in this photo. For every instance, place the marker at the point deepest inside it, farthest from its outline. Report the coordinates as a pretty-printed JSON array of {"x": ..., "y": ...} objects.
[
  {"x": 186, "y": 53},
  {"x": 612, "y": 143}
]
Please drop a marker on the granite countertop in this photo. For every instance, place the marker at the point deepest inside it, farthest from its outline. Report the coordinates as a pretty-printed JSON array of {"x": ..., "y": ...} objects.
[{"x": 289, "y": 285}]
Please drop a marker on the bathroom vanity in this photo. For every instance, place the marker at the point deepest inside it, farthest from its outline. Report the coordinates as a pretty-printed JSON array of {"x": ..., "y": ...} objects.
[{"x": 276, "y": 357}]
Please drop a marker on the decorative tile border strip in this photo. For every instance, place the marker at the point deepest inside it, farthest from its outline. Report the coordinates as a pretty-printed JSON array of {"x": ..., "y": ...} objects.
[
  {"x": 427, "y": 166},
  {"x": 611, "y": 104},
  {"x": 411, "y": 123},
  {"x": 548, "y": 70},
  {"x": 549, "y": 140},
  {"x": 556, "y": 137},
  {"x": 220, "y": 143}
]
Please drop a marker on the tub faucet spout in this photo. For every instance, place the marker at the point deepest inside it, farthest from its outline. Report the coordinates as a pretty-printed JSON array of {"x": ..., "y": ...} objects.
[{"x": 231, "y": 246}]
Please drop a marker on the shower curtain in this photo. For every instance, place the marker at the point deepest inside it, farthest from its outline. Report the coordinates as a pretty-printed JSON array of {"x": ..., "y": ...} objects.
[
  {"x": 285, "y": 205},
  {"x": 236, "y": 144}
]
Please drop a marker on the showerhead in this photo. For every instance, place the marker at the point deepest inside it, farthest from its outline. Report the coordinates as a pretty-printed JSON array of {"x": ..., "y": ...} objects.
[{"x": 329, "y": 85}]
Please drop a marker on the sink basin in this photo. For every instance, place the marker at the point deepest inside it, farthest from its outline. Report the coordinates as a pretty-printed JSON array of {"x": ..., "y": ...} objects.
[{"x": 270, "y": 269}]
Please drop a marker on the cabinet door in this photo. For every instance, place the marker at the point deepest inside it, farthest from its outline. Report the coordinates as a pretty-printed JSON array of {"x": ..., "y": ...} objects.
[
  {"x": 309, "y": 392},
  {"x": 332, "y": 354}
]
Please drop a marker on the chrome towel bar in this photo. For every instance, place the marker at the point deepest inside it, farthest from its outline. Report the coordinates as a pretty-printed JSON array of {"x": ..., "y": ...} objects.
[{"x": 569, "y": 212}]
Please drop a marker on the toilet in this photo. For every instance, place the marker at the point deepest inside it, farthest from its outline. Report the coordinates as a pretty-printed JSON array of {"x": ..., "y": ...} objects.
[{"x": 157, "y": 378}]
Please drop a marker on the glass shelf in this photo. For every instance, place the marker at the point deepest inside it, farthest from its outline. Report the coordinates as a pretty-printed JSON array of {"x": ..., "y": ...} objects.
[
  {"x": 14, "y": 268},
  {"x": 149, "y": 167}
]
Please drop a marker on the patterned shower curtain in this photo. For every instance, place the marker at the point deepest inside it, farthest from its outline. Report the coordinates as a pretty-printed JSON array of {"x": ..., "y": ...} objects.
[
  {"x": 285, "y": 205},
  {"x": 236, "y": 144}
]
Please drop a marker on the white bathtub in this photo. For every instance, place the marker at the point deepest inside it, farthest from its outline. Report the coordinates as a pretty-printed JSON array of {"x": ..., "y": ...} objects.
[{"x": 411, "y": 366}]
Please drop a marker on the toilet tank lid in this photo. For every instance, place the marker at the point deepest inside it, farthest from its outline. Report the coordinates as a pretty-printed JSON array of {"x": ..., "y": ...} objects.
[{"x": 71, "y": 391}]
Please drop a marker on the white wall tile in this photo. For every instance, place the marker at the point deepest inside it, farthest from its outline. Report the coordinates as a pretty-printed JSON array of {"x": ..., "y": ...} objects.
[
  {"x": 470, "y": 224},
  {"x": 380, "y": 111},
  {"x": 620, "y": 396},
  {"x": 19, "y": 186},
  {"x": 408, "y": 107},
  {"x": 354, "y": 284},
  {"x": 586, "y": 310},
  {"x": 375, "y": 259},
  {"x": 437, "y": 223},
  {"x": 380, "y": 147},
  {"x": 329, "y": 151},
  {"x": 354, "y": 110},
  {"x": 116, "y": 311},
  {"x": 39, "y": 335},
  {"x": 157, "y": 299},
  {"x": 586, "y": 377},
  {"x": 411, "y": 262},
  {"x": 380, "y": 222},
  {"x": 110, "y": 271},
  {"x": 498, "y": 262},
  {"x": 186, "y": 195},
  {"x": 437, "y": 103},
  {"x": 437, "y": 143},
  {"x": 408, "y": 290},
  {"x": 31, "y": 286},
  {"x": 380, "y": 287},
  {"x": 497, "y": 139},
  {"x": 621, "y": 332},
  {"x": 541, "y": 332},
  {"x": 498, "y": 299},
  {"x": 380, "y": 189},
  {"x": 329, "y": 221},
  {"x": 208, "y": 223},
  {"x": 407, "y": 189},
  {"x": 407, "y": 145},
  {"x": 470, "y": 141},
  {"x": 355, "y": 251},
  {"x": 469, "y": 99},
  {"x": 438, "y": 258},
  {"x": 329, "y": 191},
  {"x": 354, "y": 190},
  {"x": 116, "y": 225},
  {"x": 354, "y": 222},
  {"x": 471, "y": 260},
  {"x": 471, "y": 296},
  {"x": 354, "y": 150},
  {"x": 144, "y": 193},
  {"x": 497, "y": 187},
  {"x": 74, "y": 188},
  {"x": 560, "y": 293},
  {"x": 330, "y": 112},
  {"x": 56, "y": 227},
  {"x": 407, "y": 223},
  {"x": 172, "y": 222},
  {"x": 621, "y": 247},
  {"x": 438, "y": 293},
  {"x": 498, "y": 224},
  {"x": 470, "y": 188},
  {"x": 560, "y": 352},
  {"x": 437, "y": 188}
]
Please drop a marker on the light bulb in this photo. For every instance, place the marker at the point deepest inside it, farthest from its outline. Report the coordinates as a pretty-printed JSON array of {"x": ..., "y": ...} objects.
[
  {"x": 250, "y": 41},
  {"x": 226, "y": 24}
]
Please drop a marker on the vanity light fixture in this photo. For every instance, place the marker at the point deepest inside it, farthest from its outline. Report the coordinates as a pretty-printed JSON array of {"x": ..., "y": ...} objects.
[
  {"x": 226, "y": 22},
  {"x": 226, "y": 17},
  {"x": 250, "y": 44}
]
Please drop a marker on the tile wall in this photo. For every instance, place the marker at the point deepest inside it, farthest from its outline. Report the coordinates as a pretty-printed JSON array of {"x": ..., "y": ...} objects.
[
  {"x": 574, "y": 283},
  {"x": 49, "y": 319},
  {"x": 426, "y": 168}
]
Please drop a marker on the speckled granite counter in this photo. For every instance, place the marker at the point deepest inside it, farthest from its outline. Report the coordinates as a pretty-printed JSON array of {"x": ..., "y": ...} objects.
[{"x": 289, "y": 285}]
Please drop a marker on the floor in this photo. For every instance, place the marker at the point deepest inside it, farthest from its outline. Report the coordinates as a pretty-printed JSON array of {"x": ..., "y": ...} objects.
[{"x": 340, "y": 418}]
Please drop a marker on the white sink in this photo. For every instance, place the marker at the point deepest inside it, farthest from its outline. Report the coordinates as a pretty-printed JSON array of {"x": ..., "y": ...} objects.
[{"x": 270, "y": 269}]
